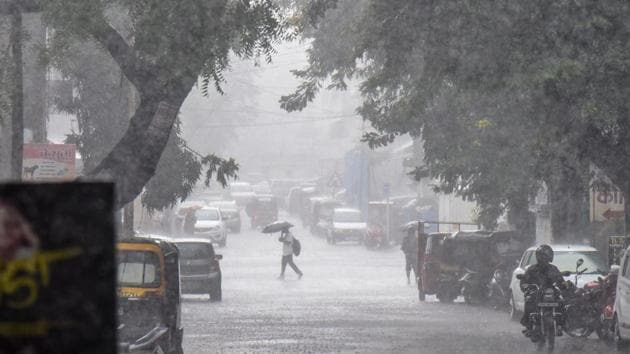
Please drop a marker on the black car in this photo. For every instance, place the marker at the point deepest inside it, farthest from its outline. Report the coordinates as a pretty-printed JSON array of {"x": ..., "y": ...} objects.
[{"x": 200, "y": 271}]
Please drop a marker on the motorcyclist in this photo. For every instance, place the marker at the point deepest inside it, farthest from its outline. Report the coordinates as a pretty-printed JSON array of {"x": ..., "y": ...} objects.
[{"x": 544, "y": 275}]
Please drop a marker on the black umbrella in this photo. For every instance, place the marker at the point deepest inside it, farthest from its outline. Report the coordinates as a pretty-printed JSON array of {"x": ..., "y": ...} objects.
[{"x": 276, "y": 227}]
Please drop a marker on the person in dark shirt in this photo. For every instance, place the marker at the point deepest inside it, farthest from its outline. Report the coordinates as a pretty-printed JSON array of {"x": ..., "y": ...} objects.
[
  {"x": 544, "y": 275},
  {"x": 409, "y": 246}
]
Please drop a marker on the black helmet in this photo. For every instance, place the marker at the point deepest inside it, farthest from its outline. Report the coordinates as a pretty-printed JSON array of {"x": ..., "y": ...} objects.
[{"x": 544, "y": 254}]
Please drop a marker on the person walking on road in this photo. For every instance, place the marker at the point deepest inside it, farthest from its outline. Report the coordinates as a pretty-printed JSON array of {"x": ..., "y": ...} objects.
[
  {"x": 287, "y": 253},
  {"x": 409, "y": 247}
]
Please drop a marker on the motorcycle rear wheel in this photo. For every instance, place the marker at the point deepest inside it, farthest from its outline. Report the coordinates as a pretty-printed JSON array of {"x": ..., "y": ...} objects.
[{"x": 573, "y": 317}]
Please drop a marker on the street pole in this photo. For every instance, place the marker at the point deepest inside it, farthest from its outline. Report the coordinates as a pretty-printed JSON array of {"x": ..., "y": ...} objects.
[{"x": 17, "y": 93}]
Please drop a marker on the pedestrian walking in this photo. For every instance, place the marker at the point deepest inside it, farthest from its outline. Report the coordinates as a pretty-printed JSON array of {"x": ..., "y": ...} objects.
[
  {"x": 409, "y": 247},
  {"x": 189, "y": 221},
  {"x": 287, "y": 240}
]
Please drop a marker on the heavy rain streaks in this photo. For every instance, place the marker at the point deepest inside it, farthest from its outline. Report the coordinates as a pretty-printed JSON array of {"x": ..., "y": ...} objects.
[{"x": 315, "y": 176}]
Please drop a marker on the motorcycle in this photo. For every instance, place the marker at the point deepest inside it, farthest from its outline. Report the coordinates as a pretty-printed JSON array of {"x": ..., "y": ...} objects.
[
  {"x": 547, "y": 316},
  {"x": 582, "y": 307},
  {"x": 474, "y": 288},
  {"x": 499, "y": 295},
  {"x": 608, "y": 286},
  {"x": 375, "y": 237}
]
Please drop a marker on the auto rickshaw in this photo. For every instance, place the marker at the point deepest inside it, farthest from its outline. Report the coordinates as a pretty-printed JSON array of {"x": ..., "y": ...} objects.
[
  {"x": 262, "y": 210},
  {"x": 149, "y": 298},
  {"x": 437, "y": 277}
]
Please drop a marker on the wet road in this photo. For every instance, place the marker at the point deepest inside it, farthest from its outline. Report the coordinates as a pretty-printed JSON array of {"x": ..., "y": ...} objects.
[{"x": 350, "y": 300}]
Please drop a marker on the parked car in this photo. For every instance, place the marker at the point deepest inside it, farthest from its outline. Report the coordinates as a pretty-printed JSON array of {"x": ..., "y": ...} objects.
[
  {"x": 565, "y": 258},
  {"x": 621, "y": 317},
  {"x": 149, "y": 301},
  {"x": 210, "y": 225},
  {"x": 231, "y": 214},
  {"x": 347, "y": 225},
  {"x": 200, "y": 271},
  {"x": 241, "y": 193}
]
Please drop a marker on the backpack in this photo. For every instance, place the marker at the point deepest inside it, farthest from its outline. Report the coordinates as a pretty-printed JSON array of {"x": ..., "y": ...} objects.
[{"x": 297, "y": 247}]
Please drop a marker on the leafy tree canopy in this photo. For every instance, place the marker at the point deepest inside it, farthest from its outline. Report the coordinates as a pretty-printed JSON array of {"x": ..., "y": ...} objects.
[
  {"x": 504, "y": 95},
  {"x": 162, "y": 47}
]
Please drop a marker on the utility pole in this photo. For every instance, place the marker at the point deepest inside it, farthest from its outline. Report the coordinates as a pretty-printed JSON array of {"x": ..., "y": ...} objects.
[{"x": 17, "y": 92}]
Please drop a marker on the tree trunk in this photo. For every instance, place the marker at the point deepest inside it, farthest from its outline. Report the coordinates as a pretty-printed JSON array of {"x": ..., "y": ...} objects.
[
  {"x": 133, "y": 161},
  {"x": 17, "y": 94},
  {"x": 568, "y": 205},
  {"x": 520, "y": 218}
]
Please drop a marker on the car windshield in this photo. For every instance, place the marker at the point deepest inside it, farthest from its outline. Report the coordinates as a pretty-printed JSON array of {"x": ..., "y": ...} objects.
[
  {"x": 347, "y": 216},
  {"x": 207, "y": 214},
  {"x": 138, "y": 269},
  {"x": 225, "y": 206},
  {"x": 565, "y": 261},
  {"x": 241, "y": 188},
  {"x": 190, "y": 250}
]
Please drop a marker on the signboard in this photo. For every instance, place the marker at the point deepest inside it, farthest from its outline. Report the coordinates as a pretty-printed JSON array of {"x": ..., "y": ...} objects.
[
  {"x": 49, "y": 162},
  {"x": 57, "y": 270},
  {"x": 606, "y": 205}
]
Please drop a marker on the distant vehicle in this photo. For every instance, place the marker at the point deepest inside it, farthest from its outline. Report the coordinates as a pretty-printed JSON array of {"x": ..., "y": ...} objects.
[
  {"x": 231, "y": 214},
  {"x": 149, "y": 301},
  {"x": 621, "y": 317},
  {"x": 262, "y": 210},
  {"x": 281, "y": 187},
  {"x": 241, "y": 193},
  {"x": 320, "y": 217},
  {"x": 210, "y": 225},
  {"x": 565, "y": 257},
  {"x": 347, "y": 225},
  {"x": 262, "y": 188},
  {"x": 200, "y": 270},
  {"x": 298, "y": 198},
  {"x": 377, "y": 222}
]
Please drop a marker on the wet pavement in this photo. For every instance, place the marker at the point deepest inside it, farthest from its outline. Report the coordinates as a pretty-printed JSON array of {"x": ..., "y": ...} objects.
[{"x": 350, "y": 300}]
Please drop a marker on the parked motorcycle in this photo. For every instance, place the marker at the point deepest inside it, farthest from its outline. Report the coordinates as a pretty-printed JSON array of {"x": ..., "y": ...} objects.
[
  {"x": 549, "y": 313},
  {"x": 499, "y": 295},
  {"x": 583, "y": 307},
  {"x": 375, "y": 237},
  {"x": 608, "y": 286},
  {"x": 475, "y": 288}
]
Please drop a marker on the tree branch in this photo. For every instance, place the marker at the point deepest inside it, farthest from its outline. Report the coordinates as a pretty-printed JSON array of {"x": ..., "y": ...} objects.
[
  {"x": 24, "y": 5},
  {"x": 139, "y": 72}
]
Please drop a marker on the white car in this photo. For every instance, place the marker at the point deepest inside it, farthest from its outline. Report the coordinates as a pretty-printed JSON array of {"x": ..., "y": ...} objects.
[
  {"x": 347, "y": 225},
  {"x": 210, "y": 225},
  {"x": 622, "y": 303},
  {"x": 565, "y": 258}
]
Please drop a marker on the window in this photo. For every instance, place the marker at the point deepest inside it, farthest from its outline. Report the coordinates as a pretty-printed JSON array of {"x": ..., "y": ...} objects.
[
  {"x": 347, "y": 216},
  {"x": 191, "y": 250},
  {"x": 138, "y": 269},
  {"x": 207, "y": 214},
  {"x": 525, "y": 259}
]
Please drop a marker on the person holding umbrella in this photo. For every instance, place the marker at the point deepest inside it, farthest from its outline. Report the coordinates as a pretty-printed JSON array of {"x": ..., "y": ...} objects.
[
  {"x": 287, "y": 253},
  {"x": 288, "y": 241}
]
